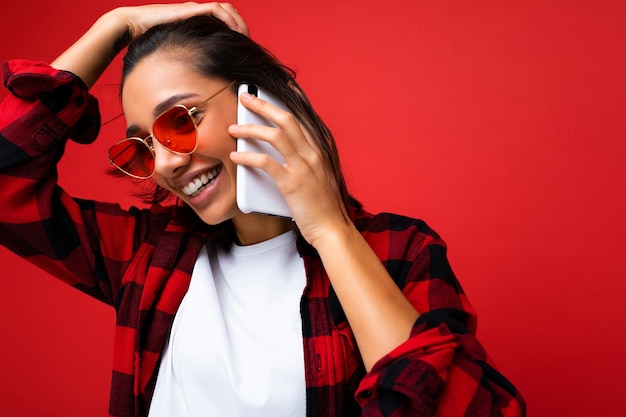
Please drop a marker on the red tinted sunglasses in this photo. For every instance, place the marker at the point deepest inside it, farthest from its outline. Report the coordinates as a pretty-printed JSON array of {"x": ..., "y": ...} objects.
[{"x": 175, "y": 129}]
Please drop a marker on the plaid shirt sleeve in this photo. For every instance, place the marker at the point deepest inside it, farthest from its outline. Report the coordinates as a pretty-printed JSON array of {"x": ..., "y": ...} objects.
[
  {"x": 38, "y": 221},
  {"x": 442, "y": 370}
]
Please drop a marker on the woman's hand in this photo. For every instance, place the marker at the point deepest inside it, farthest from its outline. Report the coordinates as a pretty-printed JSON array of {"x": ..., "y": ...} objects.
[
  {"x": 304, "y": 179},
  {"x": 138, "y": 19},
  {"x": 94, "y": 51}
]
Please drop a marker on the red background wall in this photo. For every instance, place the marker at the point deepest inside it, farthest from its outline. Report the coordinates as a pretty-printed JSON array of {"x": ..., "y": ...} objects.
[{"x": 500, "y": 123}]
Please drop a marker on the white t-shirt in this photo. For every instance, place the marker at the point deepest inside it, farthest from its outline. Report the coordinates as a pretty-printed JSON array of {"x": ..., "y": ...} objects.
[{"x": 236, "y": 345}]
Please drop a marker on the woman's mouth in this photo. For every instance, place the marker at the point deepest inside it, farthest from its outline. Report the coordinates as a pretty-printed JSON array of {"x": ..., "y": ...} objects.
[{"x": 197, "y": 184}]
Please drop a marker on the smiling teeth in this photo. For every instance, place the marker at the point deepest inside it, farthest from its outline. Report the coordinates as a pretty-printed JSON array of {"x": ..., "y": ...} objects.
[{"x": 197, "y": 184}]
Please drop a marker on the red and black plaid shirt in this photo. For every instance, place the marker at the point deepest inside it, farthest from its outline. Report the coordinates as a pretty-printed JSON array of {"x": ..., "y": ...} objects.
[{"x": 140, "y": 262}]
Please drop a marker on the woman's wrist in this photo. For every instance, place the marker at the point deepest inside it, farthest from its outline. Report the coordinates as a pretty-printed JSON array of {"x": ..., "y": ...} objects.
[
  {"x": 114, "y": 25},
  {"x": 90, "y": 55},
  {"x": 340, "y": 234}
]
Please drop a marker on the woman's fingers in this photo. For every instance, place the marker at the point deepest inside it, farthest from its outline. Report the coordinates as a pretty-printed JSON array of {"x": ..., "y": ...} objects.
[
  {"x": 141, "y": 18},
  {"x": 240, "y": 26},
  {"x": 266, "y": 163},
  {"x": 289, "y": 139},
  {"x": 225, "y": 12},
  {"x": 300, "y": 159}
]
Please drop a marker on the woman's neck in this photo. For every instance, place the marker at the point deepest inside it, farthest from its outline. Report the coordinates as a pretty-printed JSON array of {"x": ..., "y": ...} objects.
[{"x": 255, "y": 228}]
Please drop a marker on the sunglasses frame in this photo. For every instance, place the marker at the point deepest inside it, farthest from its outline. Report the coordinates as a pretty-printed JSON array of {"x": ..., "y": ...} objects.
[{"x": 190, "y": 112}]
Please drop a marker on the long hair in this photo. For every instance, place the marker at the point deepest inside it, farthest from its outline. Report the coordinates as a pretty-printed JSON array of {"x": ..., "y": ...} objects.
[{"x": 214, "y": 50}]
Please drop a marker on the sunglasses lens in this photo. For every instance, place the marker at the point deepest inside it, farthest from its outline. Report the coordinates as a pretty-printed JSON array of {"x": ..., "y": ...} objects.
[
  {"x": 176, "y": 130},
  {"x": 133, "y": 157}
]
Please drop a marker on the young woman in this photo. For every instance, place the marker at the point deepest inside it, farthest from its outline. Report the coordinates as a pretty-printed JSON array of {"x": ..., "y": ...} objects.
[{"x": 334, "y": 312}]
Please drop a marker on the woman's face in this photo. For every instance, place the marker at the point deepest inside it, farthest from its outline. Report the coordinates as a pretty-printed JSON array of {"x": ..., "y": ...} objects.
[{"x": 156, "y": 80}]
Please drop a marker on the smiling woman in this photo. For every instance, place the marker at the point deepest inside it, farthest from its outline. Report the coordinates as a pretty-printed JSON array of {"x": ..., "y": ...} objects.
[{"x": 336, "y": 312}]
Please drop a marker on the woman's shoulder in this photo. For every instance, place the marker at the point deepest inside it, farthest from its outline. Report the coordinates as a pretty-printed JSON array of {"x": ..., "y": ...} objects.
[
  {"x": 367, "y": 222},
  {"x": 396, "y": 236}
]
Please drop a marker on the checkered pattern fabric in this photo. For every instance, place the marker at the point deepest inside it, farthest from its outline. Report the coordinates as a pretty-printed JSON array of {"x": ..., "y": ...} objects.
[{"x": 140, "y": 262}]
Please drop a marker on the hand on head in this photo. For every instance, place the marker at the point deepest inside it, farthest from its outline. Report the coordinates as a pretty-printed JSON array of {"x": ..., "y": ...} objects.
[
  {"x": 94, "y": 51},
  {"x": 141, "y": 18}
]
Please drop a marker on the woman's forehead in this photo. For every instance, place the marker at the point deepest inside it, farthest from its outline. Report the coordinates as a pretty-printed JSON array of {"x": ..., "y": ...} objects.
[
  {"x": 153, "y": 82},
  {"x": 151, "y": 76}
]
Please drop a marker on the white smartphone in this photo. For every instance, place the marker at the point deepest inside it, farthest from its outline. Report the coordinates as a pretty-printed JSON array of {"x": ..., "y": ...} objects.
[{"x": 256, "y": 190}]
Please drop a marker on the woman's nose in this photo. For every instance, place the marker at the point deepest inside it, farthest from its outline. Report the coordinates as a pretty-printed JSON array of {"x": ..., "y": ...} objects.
[{"x": 166, "y": 162}]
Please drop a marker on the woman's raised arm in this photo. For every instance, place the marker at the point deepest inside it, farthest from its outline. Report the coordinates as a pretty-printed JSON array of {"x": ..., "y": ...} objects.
[{"x": 94, "y": 51}]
